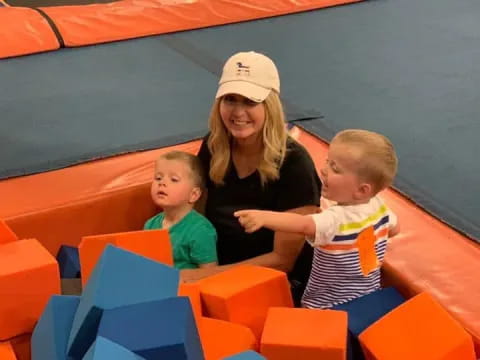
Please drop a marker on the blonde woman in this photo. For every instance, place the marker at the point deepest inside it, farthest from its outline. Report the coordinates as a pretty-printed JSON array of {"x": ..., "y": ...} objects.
[{"x": 251, "y": 162}]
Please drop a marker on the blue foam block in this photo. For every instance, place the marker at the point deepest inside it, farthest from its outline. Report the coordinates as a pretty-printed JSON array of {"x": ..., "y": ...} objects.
[
  {"x": 163, "y": 329},
  {"x": 364, "y": 311},
  {"x": 50, "y": 336},
  {"x": 120, "y": 278},
  {"x": 246, "y": 355},
  {"x": 69, "y": 262},
  {"x": 104, "y": 349}
]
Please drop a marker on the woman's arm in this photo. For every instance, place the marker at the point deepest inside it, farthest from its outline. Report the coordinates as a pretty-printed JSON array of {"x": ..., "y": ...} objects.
[{"x": 286, "y": 248}]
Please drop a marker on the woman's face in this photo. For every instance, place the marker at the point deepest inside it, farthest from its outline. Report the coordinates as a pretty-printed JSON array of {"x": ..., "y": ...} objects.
[{"x": 242, "y": 117}]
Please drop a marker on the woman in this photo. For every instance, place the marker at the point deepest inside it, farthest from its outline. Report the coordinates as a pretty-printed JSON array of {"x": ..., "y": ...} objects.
[{"x": 251, "y": 162}]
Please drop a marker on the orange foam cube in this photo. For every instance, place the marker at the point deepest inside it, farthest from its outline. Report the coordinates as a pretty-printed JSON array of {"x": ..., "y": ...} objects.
[
  {"x": 153, "y": 244},
  {"x": 29, "y": 275},
  {"x": 418, "y": 329},
  {"x": 306, "y": 334},
  {"x": 222, "y": 338},
  {"x": 6, "y": 351},
  {"x": 192, "y": 291},
  {"x": 244, "y": 294},
  {"x": 6, "y": 234}
]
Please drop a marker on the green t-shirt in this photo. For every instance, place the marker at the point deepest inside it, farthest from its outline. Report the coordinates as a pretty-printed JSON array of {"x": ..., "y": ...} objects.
[{"x": 193, "y": 239}]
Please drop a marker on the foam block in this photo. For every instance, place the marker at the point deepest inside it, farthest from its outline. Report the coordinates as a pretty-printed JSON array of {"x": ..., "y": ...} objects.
[
  {"x": 28, "y": 277},
  {"x": 6, "y": 234},
  {"x": 6, "y": 351},
  {"x": 69, "y": 262},
  {"x": 364, "y": 311},
  {"x": 418, "y": 329},
  {"x": 246, "y": 355},
  {"x": 153, "y": 244},
  {"x": 164, "y": 329},
  {"x": 50, "y": 336},
  {"x": 103, "y": 349},
  {"x": 222, "y": 338},
  {"x": 22, "y": 346},
  {"x": 192, "y": 291},
  {"x": 120, "y": 278},
  {"x": 244, "y": 294},
  {"x": 307, "y": 334}
]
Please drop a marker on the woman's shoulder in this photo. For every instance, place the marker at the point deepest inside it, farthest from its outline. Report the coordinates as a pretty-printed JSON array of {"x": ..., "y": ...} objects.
[{"x": 297, "y": 154}]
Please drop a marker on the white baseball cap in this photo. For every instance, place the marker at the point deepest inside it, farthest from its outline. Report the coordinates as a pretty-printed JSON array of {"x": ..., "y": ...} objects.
[{"x": 249, "y": 74}]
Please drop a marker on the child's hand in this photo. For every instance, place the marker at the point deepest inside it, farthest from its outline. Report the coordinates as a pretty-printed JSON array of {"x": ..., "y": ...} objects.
[{"x": 251, "y": 220}]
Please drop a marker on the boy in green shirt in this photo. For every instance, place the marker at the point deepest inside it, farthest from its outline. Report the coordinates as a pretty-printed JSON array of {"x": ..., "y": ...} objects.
[{"x": 177, "y": 185}]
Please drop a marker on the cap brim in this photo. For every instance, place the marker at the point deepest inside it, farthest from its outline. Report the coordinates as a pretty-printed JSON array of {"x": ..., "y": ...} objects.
[{"x": 249, "y": 90}]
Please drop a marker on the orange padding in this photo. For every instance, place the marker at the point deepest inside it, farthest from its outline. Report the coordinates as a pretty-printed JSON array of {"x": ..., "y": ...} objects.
[
  {"x": 112, "y": 195},
  {"x": 98, "y": 23},
  {"x": 24, "y": 31}
]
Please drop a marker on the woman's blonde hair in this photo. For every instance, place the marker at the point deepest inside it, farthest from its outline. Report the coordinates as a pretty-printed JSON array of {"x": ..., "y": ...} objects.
[
  {"x": 274, "y": 139},
  {"x": 378, "y": 161}
]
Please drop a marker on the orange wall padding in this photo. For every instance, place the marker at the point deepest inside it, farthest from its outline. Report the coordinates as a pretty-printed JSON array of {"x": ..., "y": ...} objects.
[
  {"x": 24, "y": 31},
  {"x": 85, "y": 25}
]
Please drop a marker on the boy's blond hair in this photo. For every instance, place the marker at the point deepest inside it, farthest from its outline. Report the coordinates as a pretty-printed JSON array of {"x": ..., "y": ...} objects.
[
  {"x": 378, "y": 161},
  {"x": 274, "y": 138},
  {"x": 192, "y": 161}
]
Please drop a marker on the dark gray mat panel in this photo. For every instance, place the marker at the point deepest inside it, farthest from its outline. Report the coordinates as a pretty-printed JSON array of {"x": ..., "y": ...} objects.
[{"x": 406, "y": 68}]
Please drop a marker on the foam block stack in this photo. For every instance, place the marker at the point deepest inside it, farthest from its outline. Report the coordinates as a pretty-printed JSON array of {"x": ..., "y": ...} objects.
[
  {"x": 418, "y": 329},
  {"x": 244, "y": 294},
  {"x": 364, "y": 311},
  {"x": 153, "y": 244},
  {"x": 307, "y": 334}
]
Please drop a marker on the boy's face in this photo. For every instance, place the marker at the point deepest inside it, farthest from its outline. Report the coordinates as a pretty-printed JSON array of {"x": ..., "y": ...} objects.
[
  {"x": 173, "y": 184},
  {"x": 340, "y": 180}
]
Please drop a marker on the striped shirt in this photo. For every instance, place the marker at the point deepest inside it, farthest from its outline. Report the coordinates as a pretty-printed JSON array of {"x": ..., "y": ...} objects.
[{"x": 350, "y": 243}]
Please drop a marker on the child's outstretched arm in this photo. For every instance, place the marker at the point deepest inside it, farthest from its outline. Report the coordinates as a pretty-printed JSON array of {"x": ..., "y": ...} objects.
[{"x": 252, "y": 220}]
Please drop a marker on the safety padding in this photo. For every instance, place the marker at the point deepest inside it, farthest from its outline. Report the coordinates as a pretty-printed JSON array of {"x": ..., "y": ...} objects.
[
  {"x": 244, "y": 294},
  {"x": 120, "y": 278},
  {"x": 28, "y": 277},
  {"x": 246, "y": 355},
  {"x": 103, "y": 349},
  {"x": 418, "y": 329},
  {"x": 222, "y": 338},
  {"x": 153, "y": 244},
  {"x": 69, "y": 262},
  {"x": 86, "y": 25},
  {"x": 192, "y": 291},
  {"x": 364, "y": 311},
  {"x": 24, "y": 31},
  {"x": 6, "y": 350},
  {"x": 50, "y": 336},
  {"x": 307, "y": 334},
  {"x": 162, "y": 329},
  {"x": 6, "y": 234}
]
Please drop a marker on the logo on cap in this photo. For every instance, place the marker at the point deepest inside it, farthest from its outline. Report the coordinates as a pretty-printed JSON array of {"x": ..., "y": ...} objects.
[{"x": 242, "y": 69}]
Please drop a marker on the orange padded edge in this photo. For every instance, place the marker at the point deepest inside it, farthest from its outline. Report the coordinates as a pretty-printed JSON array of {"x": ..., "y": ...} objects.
[
  {"x": 98, "y": 23},
  {"x": 418, "y": 329},
  {"x": 24, "y": 31},
  {"x": 22, "y": 346},
  {"x": 153, "y": 244},
  {"x": 306, "y": 334},
  {"x": 6, "y": 351}
]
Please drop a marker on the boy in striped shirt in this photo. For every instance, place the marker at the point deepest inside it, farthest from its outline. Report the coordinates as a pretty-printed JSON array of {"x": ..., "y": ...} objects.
[{"x": 350, "y": 237}]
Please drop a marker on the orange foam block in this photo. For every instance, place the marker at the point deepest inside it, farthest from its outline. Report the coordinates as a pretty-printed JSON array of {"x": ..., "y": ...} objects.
[
  {"x": 153, "y": 244},
  {"x": 244, "y": 294},
  {"x": 418, "y": 329},
  {"x": 222, "y": 338},
  {"x": 192, "y": 291},
  {"x": 29, "y": 275},
  {"x": 6, "y": 234},
  {"x": 306, "y": 334},
  {"x": 6, "y": 351}
]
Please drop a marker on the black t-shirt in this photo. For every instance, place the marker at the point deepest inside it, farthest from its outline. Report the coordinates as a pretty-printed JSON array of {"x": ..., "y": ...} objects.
[{"x": 297, "y": 186}]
